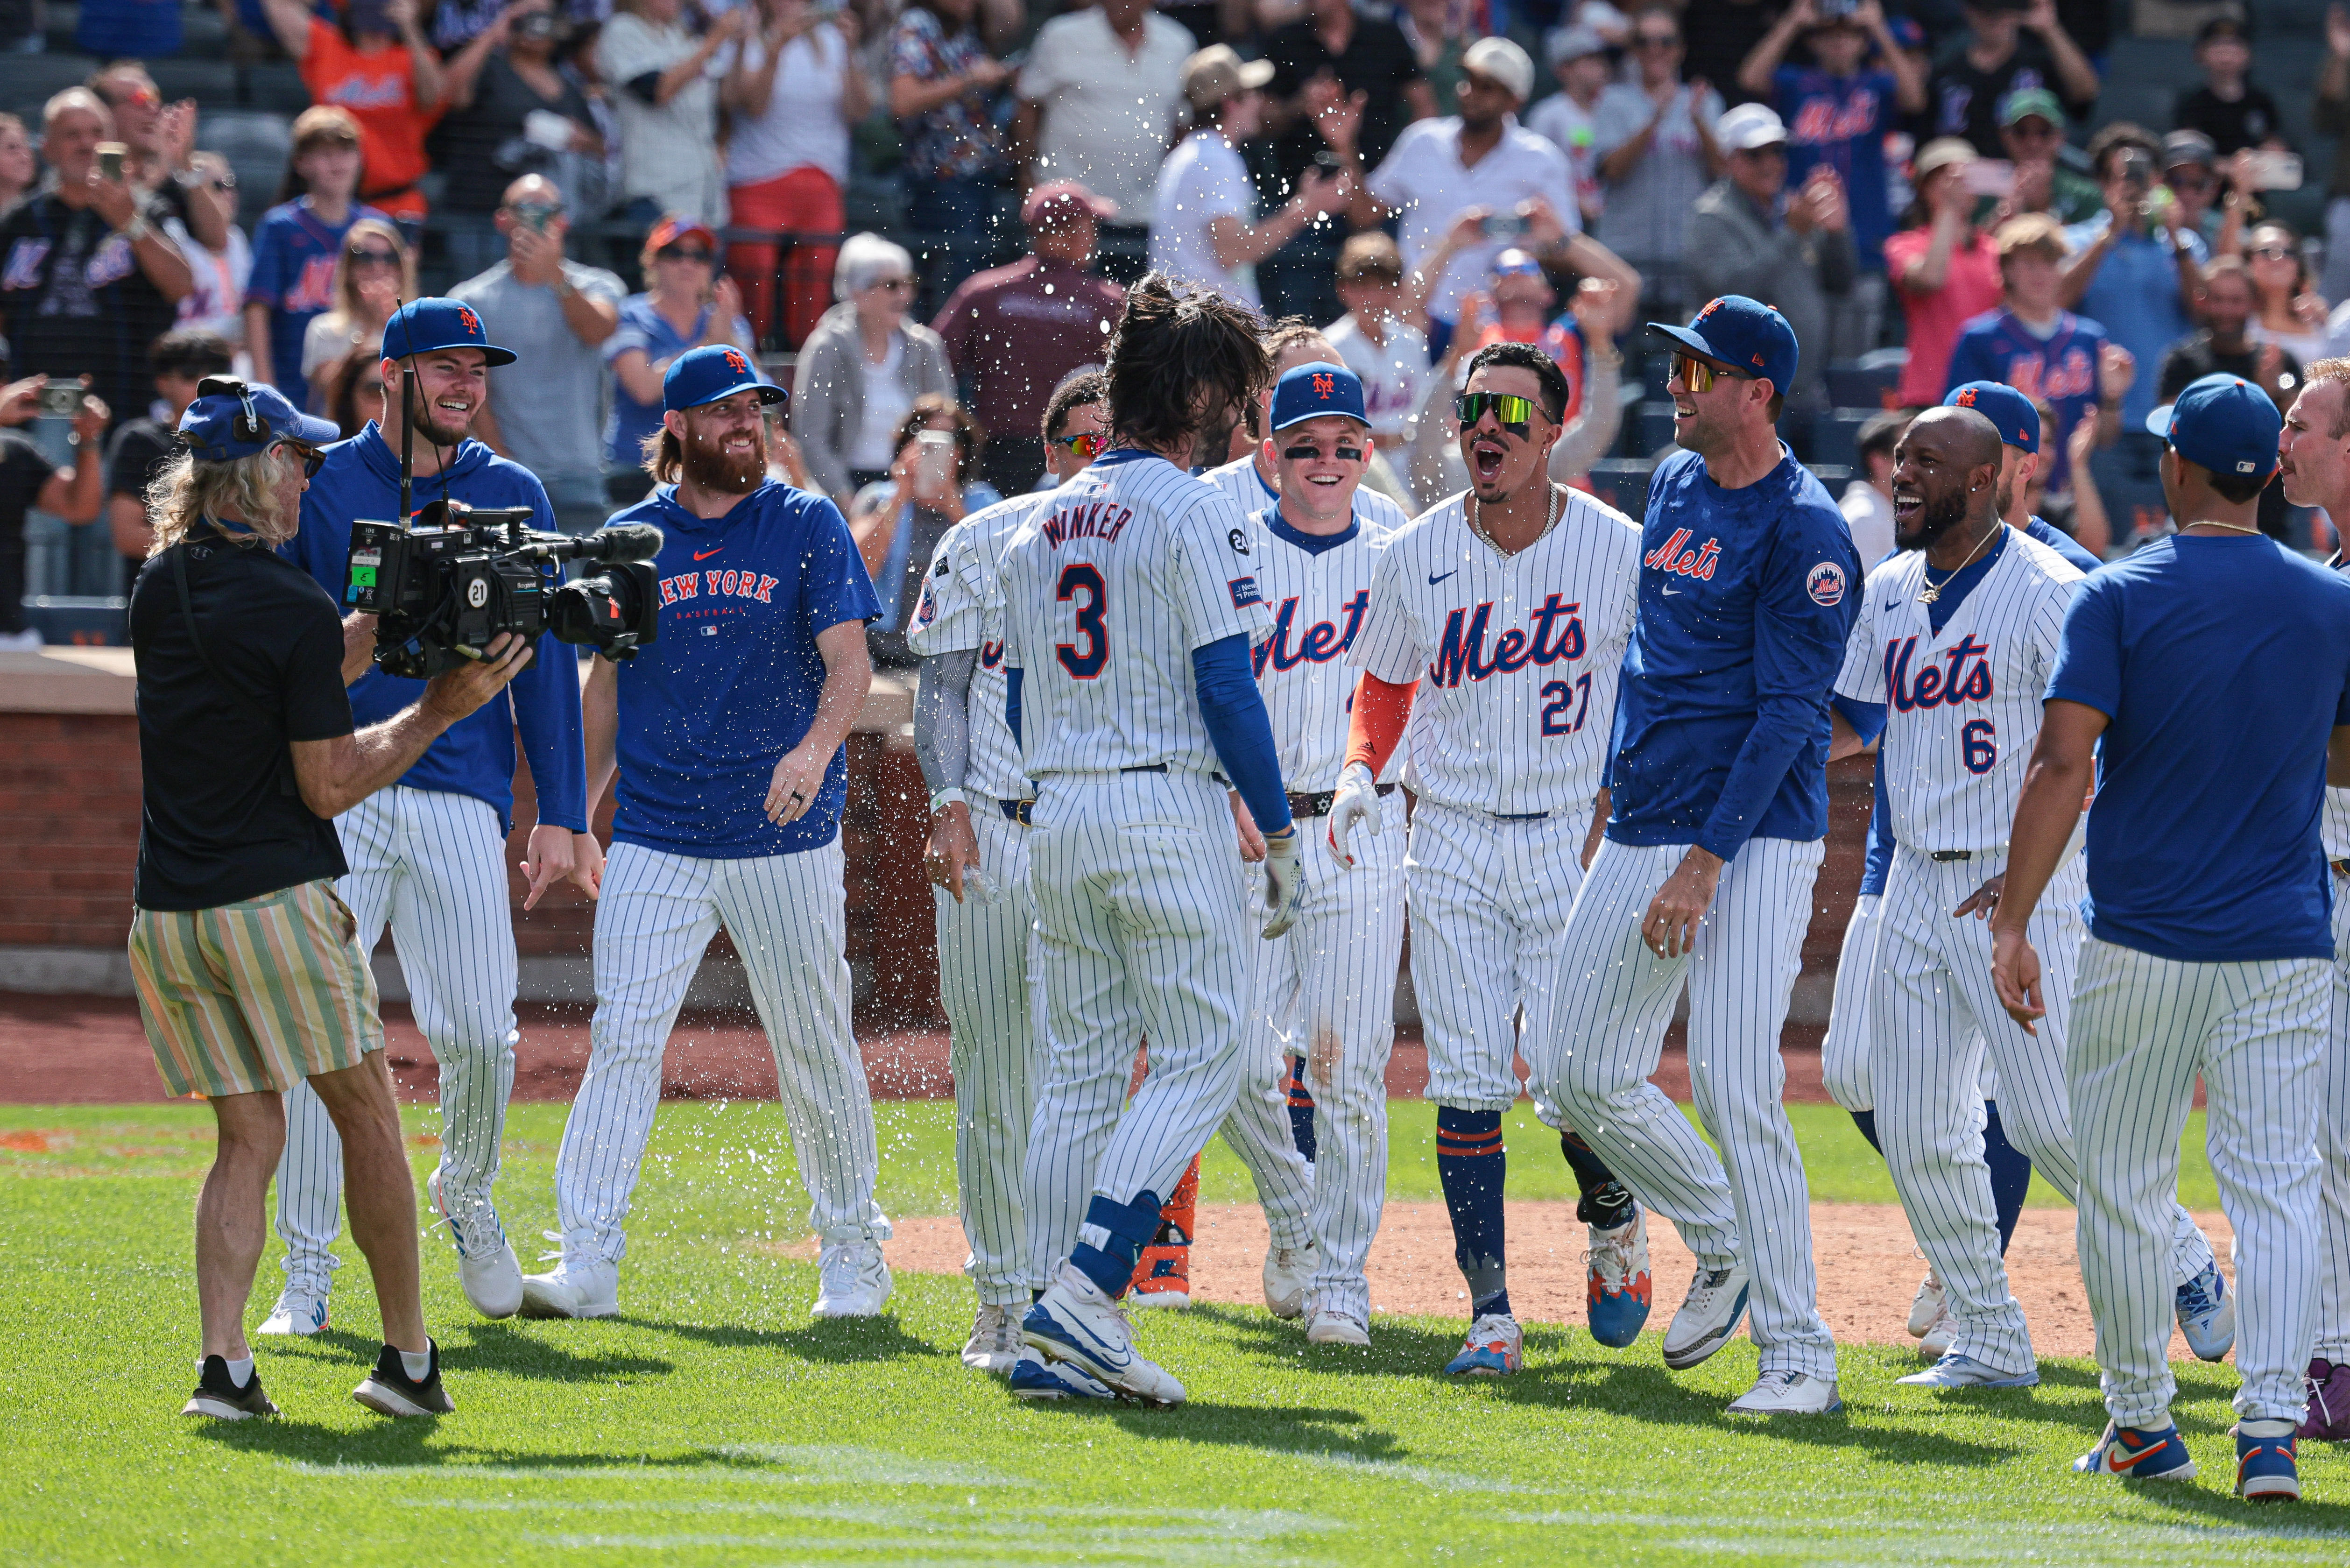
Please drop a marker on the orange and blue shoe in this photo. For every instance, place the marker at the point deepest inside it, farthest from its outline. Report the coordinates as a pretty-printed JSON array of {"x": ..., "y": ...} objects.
[
  {"x": 2136, "y": 1454},
  {"x": 1495, "y": 1349},
  {"x": 2266, "y": 1468},
  {"x": 1617, "y": 1267},
  {"x": 1163, "y": 1274}
]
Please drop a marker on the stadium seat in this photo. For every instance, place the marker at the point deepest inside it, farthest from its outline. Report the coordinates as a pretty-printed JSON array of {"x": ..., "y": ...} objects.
[
  {"x": 28, "y": 81},
  {"x": 1868, "y": 381},
  {"x": 1835, "y": 475},
  {"x": 1648, "y": 428},
  {"x": 1622, "y": 482},
  {"x": 1835, "y": 436},
  {"x": 207, "y": 81},
  {"x": 275, "y": 88}
]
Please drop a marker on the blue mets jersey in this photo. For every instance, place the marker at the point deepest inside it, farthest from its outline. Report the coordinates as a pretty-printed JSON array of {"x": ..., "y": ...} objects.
[{"x": 2061, "y": 368}]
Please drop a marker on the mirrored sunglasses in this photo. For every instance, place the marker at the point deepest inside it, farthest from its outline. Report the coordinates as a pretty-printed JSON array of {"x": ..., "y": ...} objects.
[
  {"x": 1089, "y": 447},
  {"x": 1515, "y": 414},
  {"x": 1699, "y": 375}
]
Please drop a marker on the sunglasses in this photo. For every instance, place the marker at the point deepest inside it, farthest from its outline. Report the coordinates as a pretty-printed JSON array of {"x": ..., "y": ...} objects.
[
  {"x": 2274, "y": 252},
  {"x": 1515, "y": 414},
  {"x": 1699, "y": 375},
  {"x": 1655, "y": 41},
  {"x": 373, "y": 257},
  {"x": 1089, "y": 447},
  {"x": 683, "y": 253},
  {"x": 312, "y": 458}
]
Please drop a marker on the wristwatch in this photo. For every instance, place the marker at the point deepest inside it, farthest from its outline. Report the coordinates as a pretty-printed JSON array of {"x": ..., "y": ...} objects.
[
  {"x": 136, "y": 228},
  {"x": 941, "y": 799}
]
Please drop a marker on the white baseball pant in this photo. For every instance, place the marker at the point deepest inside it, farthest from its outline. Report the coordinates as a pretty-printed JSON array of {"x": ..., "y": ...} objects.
[
  {"x": 1326, "y": 991},
  {"x": 1258, "y": 1129},
  {"x": 1142, "y": 925},
  {"x": 657, "y": 915},
  {"x": 1615, "y": 999},
  {"x": 1843, "y": 1050},
  {"x": 430, "y": 864},
  {"x": 984, "y": 980},
  {"x": 1938, "y": 1017},
  {"x": 2143, "y": 1027},
  {"x": 2333, "y": 1148}
]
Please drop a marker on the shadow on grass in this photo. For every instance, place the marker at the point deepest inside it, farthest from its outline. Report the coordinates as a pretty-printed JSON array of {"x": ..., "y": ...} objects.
[
  {"x": 479, "y": 1347},
  {"x": 428, "y": 1442},
  {"x": 844, "y": 1339}
]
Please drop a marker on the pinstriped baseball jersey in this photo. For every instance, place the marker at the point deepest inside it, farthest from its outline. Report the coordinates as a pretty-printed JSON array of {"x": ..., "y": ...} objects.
[
  {"x": 2333, "y": 823},
  {"x": 1108, "y": 589},
  {"x": 1963, "y": 707},
  {"x": 1517, "y": 656},
  {"x": 1319, "y": 590},
  {"x": 961, "y": 609},
  {"x": 1240, "y": 481}
]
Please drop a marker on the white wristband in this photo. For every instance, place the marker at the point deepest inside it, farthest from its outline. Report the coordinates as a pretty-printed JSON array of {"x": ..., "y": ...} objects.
[{"x": 941, "y": 799}]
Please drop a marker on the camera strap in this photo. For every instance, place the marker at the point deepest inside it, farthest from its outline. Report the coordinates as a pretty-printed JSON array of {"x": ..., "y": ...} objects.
[{"x": 253, "y": 710}]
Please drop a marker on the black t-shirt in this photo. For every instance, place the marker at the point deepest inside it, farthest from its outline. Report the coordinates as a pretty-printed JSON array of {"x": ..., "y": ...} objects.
[
  {"x": 217, "y": 824},
  {"x": 1377, "y": 62},
  {"x": 1718, "y": 36},
  {"x": 2232, "y": 127},
  {"x": 1962, "y": 101},
  {"x": 2192, "y": 359},
  {"x": 23, "y": 472},
  {"x": 136, "y": 454},
  {"x": 481, "y": 147},
  {"x": 76, "y": 302}
]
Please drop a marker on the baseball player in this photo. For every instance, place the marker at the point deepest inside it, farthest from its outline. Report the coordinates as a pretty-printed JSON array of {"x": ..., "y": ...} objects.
[
  {"x": 1130, "y": 605},
  {"x": 2210, "y": 948},
  {"x": 1719, "y": 810},
  {"x": 978, "y": 858},
  {"x": 427, "y": 856},
  {"x": 2314, "y": 468},
  {"x": 1509, "y": 608},
  {"x": 727, "y": 737},
  {"x": 1253, "y": 480},
  {"x": 1954, "y": 641}
]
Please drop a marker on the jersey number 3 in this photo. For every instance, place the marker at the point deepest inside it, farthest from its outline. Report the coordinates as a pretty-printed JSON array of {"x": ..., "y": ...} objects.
[{"x": 1084, "y": 662}]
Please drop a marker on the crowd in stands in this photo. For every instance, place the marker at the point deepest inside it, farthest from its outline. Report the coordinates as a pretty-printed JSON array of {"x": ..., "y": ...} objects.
[{"x": 922, "y": 215}]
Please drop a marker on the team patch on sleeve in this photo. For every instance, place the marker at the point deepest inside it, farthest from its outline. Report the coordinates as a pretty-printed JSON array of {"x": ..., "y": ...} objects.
[
  {"x": 1825, "y": 584},
  {"x": 1244, "y": 592}
]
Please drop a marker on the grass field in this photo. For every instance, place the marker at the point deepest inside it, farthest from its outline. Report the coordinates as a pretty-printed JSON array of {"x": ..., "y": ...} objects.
[{"x": 714, "y": 1423}]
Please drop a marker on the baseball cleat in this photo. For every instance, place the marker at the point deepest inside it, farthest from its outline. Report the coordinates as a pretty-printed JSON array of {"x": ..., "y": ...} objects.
[
  {"x": 1162, "y": 1274},
  {"x": 1287, "y": 1272},
  {"x": 1928, "y": 1307},
  {"x": 2207, "y": 1313},
  {"x": 2136, "y": 1454},
  {"x": 1934, "y": 1344},
  {"x": 2267, "y": 1470},
  {"x": 297, "y": 1312},
  {"x": 1616, "y": 1269},
  {"x": 389, "y": 1390},
  {"x": 1073, "y": 1322},
  {"x": 1332, "y": 1327},
  {"x": 1495, "y": 1345},
  {"x": 573, "y": 1290},
  {"x": 218, "y": 1396},
  {"x": 851, "y": 1280},
  {"x": 2328, "y": 1387},
  {"x": 486, "y": 1266},
  {"x": 1788, "y": 1394},
  {"x": 1033, "y": 1378},
  {"x": 1708, "y": 1317},
  {"x": 1957, "y": 1371},
  {"x": 994, "y": 1343}
]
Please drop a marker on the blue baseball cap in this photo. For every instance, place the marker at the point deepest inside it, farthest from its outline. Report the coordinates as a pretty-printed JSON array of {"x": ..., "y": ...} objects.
[
  {"x": 2004, "y": 406},
  {"x": 423, "y": 326},
  {"x": 1744, "y": 335},
  {"x": 231, "y": 418},
  {"x": 1311, "y": 391},
  {"x": 713, "y": 371},
  {"x": 2224, "y": 423}
]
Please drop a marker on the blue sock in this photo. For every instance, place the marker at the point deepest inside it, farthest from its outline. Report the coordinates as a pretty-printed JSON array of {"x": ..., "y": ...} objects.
[
  {"x": 1130, "y": 1225},
  {"x": 2011, "y": 1174},
  {"x": 1472, "y": 1162},
  {"x": 1605, "y": 1202},
  {"x": 1866, "y": 1122},
  {"x": 1301, "y": 1109}
]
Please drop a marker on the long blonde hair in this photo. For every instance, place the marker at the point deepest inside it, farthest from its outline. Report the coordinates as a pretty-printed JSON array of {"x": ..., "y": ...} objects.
[
  {"x": 344, "y": 315},
  {"x": 188, "y": 490}
]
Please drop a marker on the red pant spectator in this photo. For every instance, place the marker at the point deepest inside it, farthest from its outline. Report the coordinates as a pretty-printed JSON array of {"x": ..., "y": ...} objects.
[{"x": 804, "y": 200}]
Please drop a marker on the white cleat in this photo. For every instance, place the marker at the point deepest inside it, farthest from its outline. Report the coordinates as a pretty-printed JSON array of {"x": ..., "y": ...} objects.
[
  {"x": 1788, "y": 1394},
  {"x": 2207, "y": 1313},
  {"x": 1075, "y": 1322},
  {"x": 1708, "y": 1317},
  {"x": 573, "y": 1290},
  {"x": 297, "y": 1312},
  {"x": 1331, "y": 1327},
  {"x": 1288, "y": 1271},
  {"x": 1927, "y": 1306},
  {"x": 851, "y": 1280},
  {"x": 486, "y": 1266},
  {"x": 1934, "y": 1344},
  {"x": 994, "y": 1343},
  {"x": 1956, "y": 1370}
]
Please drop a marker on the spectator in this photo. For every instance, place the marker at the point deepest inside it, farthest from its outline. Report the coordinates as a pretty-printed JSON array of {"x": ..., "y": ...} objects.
[
  {"x": 664, "y": 92},
  {"x": 861, "y": 369},
  {"x": 556, "y": 314},
  {"x": 794, "y": 90},
  {"x": 217, "y": 278},
  {"x": 162, "y": 141},
  {"x": 19, "y": 170},
  {"x": 1099, "y": 98},
  {"x": 1722, "y": 34},
  {"x": 1334, "y": 53},
  {"x": 898, "y": 522},
  {"x": 355, "y": 390},
  {"x": 374, "y": 273},
  {"x": 2227, "y": 107},
  {"x": 2222, "y": 344},
  {"x": 380, "y": 67},
  {"x": 298, "y": 245},
  {"x": 113, "y": 28},
  {"x": 2009, "y": 46},
  {"x": 1203, "y": 231},
  {"x": 2289, "y": 312},
  {"x": 141, "y": 447},
  {"x": 2035, "y": 344},
  {"x": 1739, "y": 242},
  {"x": 1657, "y": 155},
  {"x": 1438, "y": 37},
  {"x": 2190, "y": 173},
  {"x": 682, "y": 307},
  {"x": 1943, "y": 266},
  {"x": 90, "y": 278},
  {"x": 2134, "y": 267},
  {"x": 1568, "y": 118},
  {"x": 511, "y": 112},
  {"x": 942, "y": 81},
  {"x": 1867, "y": 500},
  {"x": 2330, "y": 116},
  {"x": 1015, "y": 333},
  {"x": 1376, "y": 341},
  {"x": 2031, "y": 133},
  {"x": 27, "y": 479}
]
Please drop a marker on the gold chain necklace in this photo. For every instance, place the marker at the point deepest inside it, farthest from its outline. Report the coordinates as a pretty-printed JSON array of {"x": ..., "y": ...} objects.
[
  {"x": 2215, "y": 522},
  {"x": 1477, "y": 521},
  {"x": 1934, "y": 590}
]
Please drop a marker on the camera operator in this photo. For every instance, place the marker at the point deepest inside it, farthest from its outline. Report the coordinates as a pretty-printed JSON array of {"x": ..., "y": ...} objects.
[
  {"x": 250, "y": 977},
  {"x": 429, "y": 855}
]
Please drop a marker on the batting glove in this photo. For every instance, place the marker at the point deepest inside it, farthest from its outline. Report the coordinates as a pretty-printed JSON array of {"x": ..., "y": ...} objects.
[
  {"x": 1357, "y": 800},
  {"x": 1284, "y": 878}
]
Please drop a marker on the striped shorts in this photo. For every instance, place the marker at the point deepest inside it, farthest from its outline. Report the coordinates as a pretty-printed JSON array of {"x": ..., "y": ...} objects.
[{"x": 256, "y": 995}]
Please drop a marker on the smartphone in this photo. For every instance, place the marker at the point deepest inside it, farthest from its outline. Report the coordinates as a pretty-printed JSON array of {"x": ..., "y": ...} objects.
[
  {"x": 62, "y": 400},
  {"x": 934, "y": 456},
  {"x": 110, "y": 155},
  {"x": 1504, "y": 227},
  {"x": 2269, "y": 170},
  {"x": 1989, "y": 177}
]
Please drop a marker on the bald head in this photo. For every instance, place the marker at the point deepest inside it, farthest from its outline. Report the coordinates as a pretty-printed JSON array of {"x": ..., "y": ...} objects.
[
  {"x": 1966, "y": 434},
  {"x": 1946, "y": 470}
]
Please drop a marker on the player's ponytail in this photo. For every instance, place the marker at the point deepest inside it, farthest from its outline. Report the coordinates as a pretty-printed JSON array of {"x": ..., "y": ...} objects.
[{"x": 1180, "y": 357}]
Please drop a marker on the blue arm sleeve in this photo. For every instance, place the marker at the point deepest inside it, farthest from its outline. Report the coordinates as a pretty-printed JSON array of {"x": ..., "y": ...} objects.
[
  {"x": 546, "y": 711},
  {"x": 1233, "y": 710},
  {"x": 1012, "y": 701},
  {"x": 1866, "y": 719}
]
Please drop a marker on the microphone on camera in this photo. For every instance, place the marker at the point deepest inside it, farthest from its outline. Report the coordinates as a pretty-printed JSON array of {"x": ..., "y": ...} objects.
[{"x": 619, "y": 542}]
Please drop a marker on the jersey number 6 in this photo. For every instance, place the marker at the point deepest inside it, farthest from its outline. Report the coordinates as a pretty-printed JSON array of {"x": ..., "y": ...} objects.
[
  {"x": 1084, "y": 664},
  {"x": 1978, "y": 745}
]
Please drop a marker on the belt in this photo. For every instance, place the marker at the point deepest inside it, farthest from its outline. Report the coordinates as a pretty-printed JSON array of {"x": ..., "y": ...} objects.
[
  {"x": 1522, "y": 815},
  {"x": 1318, "y": 804},
  {"x": 1952, "y": 855},
  {"x": 1017, "y": 811},
  {"x": 1161, "y": 767}
]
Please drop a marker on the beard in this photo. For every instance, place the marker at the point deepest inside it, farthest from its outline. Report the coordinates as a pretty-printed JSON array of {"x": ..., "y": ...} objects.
[
  {"x": 1939, "y": 516},
  {"x": 730, "y": 473},
  {"x": 2006, "y": 496}
]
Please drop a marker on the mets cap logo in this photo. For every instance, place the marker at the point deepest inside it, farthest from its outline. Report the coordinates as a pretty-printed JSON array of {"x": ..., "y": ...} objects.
[
  {"x": 1709, "y": 310},
  {"x": 1325, "y": 387},
  {"x": 1825, "y": 584},
  {"x": 471, "y": 323},
  {"x": 1965, "y": 399},
  {"x": 735, "y": 362}
]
